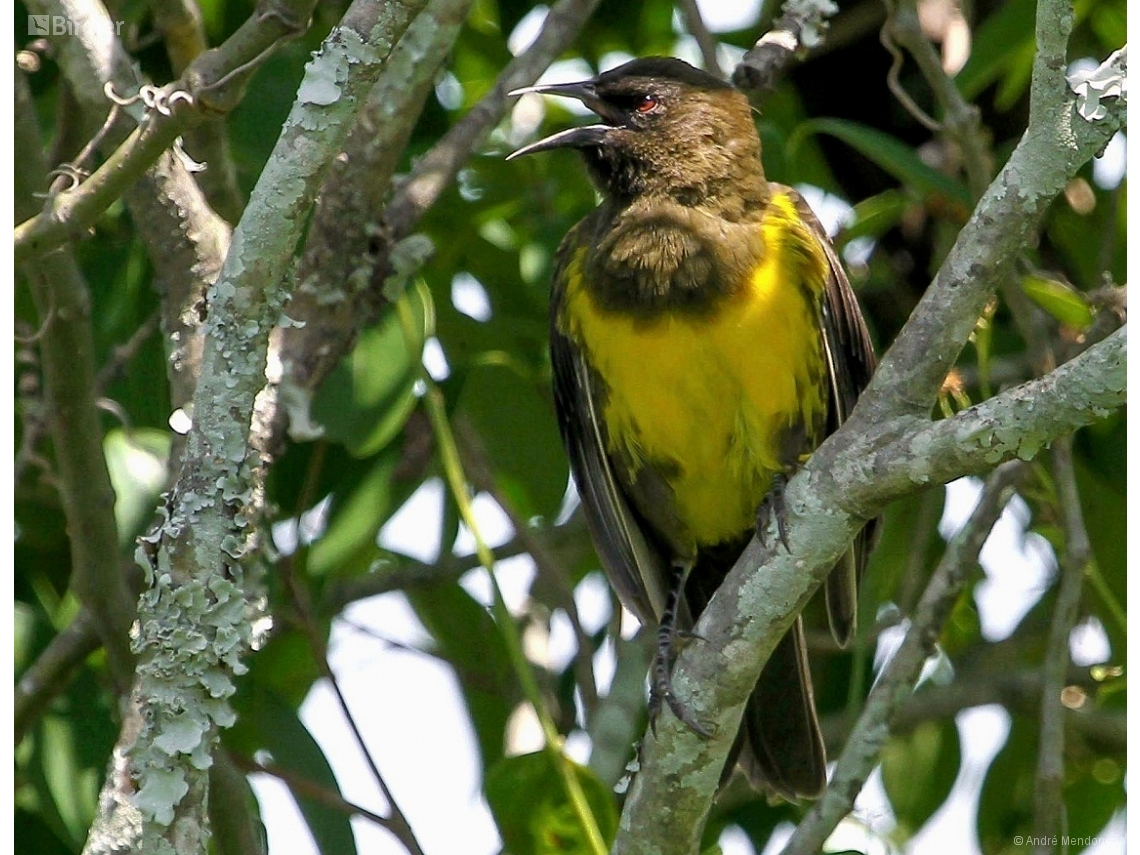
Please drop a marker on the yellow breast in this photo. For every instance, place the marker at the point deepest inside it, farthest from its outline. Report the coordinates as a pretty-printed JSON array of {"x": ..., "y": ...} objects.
[{"x": 710, "y": 399}]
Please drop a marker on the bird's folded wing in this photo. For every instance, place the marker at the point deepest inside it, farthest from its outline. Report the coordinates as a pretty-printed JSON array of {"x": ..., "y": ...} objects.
[
  {"x": 850, "y": 364},
  {"x": 635, "y": 567}
]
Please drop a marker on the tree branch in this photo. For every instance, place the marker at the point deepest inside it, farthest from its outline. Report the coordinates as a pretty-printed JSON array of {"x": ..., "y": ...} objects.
[
  {"x": 435, "y": 171},
  {"x": 907, "y": 453},
  {"x": 706, "y": 41},
  {"x": 1049, "y": 820},
  {"x": 213, "y": 84},
  {"x": 180, "y": 22},
  {"x": 835, "y": 493},
  {"x": 1056, "y": 144},
  {"x": 800, "y": 27},
  {"x": 67, "y": 353},
  {"x": 201, "y": 564},
  {"x": 897, "y": 679},
  {"x": 334, "y": 298},
  {"x": 753, "y": 608},
  {"x": 52, "y": 671},
  {"x": 185, "y": 239},
  {"x": 333, "y": 316}
]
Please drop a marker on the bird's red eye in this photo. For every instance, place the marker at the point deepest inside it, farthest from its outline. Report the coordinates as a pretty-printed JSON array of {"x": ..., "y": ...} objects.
[{"x": 647, "y": 104}]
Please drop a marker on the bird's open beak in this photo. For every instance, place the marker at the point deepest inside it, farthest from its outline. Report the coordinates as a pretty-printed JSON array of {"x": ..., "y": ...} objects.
[{"x": 583, "y": 137}]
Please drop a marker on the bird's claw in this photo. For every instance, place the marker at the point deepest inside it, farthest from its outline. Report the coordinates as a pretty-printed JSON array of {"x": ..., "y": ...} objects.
[
  {"x": 665, "y": 693},
  {"x": 773, "y": 505},
  {"x": 662, "y": 691}
]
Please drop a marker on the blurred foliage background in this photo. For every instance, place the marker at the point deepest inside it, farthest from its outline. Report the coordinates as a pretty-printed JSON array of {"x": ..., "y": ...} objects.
[{"x": 475, "y": 315}]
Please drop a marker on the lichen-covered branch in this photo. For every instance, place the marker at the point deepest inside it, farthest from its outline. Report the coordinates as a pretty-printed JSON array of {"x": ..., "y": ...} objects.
[
  {"x": 335, "y": 296},
  {"x": 50, "y": 673},
  {"x": 185, "y": 239},
  {"x": 201, "y": 562},
  {"x": 183, "y": 33},
  {"x": 1057, "y": 143},
  {"x": 1019, "y": 423}
]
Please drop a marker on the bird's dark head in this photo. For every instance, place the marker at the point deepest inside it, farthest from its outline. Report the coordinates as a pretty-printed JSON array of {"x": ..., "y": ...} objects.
[{"x": 666, "y": 128}]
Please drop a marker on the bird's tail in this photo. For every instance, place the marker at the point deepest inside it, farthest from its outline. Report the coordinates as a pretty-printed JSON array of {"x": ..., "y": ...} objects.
[{"x": 781, "y": 746}]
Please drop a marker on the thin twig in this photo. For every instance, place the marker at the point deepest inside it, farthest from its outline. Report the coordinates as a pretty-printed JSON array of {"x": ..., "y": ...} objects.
[
  {"x": 122, "y": 354},
  {"x": 706, "y": 41},
  {"x": 800, "y": 28},
  {"x": 403, "y": 572},
  {"x": 74, "y": 169},
  {"x": 480, "y": 472},
  {"x": 302, "y": 786},
  {"x": 435, "y": 171},
  {"x": 895, "y": 85},
  {"x": 1049, "y": 804},
  {"x": 961, "y": 120},
  {"x": 457, "y": 482},
  {"x": 70, "y": 213},
  {"x": 66, "y": 355},
  {"x": 52, "y": 671},
  {"x": 45, "y": 323},
  {"x": 398, "y": 823},
  {"x": 896, "y": 682}
]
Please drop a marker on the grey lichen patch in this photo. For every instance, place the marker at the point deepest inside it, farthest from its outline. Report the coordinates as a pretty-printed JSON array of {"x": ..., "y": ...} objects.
[
  {"x": 194, "y": 631},
  {"x": 159, "y": 794},
  {"x": 327, "y": 74},
  {"x": 323, "y": 78},
  {"x": 181, "y": 736}
]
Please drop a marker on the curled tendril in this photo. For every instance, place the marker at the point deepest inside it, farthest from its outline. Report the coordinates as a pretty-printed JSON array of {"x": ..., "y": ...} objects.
[{"x": 155, "y": 98}]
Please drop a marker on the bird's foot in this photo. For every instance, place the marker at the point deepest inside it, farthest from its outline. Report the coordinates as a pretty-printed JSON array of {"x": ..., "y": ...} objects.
[
  {"x": 661, "y": 684},
  {"x": 773, "y": 505}
]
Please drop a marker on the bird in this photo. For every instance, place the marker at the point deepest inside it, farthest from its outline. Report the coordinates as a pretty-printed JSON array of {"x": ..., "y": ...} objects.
[{"x": 704, "y": 340}]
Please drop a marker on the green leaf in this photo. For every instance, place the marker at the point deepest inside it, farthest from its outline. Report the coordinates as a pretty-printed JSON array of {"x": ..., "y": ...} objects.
[
  {"x": 1062, "y": 301},
  {"x": 136, "y": 462},
  {"x": 875, "y": 215},
  {"x": 931, "y": 753},
  {"x": 24, "y": 632},
  {"x": 368, "y": 397},
  {"x": 1005, "y": 807},
  {"x": 74, "y": 787},
  {"x": 897, "y": 158},
  {"x": 994, "y": 45},
  {"x": 67, "y": 757},
  {"x": 266, "y": 723},
  {"x": 32, "y": 834},
  {"x": 284, "y": 666},
  {"x": 470, "y": 641},
  {"x": 518, "y": 428},
  {"x": 528, "y": 800},
  {"x": 348, "y": 545},
  {"x": 1090, "y": 803}
]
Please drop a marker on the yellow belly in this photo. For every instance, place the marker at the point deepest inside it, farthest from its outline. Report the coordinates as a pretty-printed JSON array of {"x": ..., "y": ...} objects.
[{"x": 710, "y": 399}]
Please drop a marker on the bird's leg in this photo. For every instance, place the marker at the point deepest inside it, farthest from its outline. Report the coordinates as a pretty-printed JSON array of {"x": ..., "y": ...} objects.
[
  {"x": 773, "y": 503},
  {"x": 667, "y": 634}
]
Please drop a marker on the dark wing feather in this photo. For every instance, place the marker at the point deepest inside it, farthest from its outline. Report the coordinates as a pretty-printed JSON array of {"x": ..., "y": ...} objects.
[
  {"x": 850, "y": 364},
  {"x": 635, "y": 567}
]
